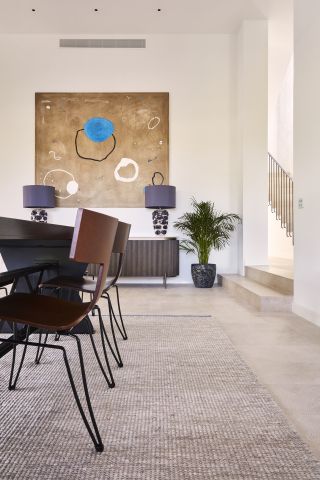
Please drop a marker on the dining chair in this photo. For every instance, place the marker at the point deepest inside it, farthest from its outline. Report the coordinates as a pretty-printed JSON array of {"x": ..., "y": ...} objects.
[
  {"x": 88, "y": 286},
  {"x": 92, "y": 242}
]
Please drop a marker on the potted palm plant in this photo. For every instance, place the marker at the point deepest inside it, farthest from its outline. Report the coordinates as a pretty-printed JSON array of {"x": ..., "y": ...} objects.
[{"x": 206, "y": 229}]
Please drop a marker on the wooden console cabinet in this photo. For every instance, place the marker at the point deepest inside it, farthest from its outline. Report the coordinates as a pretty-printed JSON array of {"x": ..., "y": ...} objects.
[{"x": 148, "y": 257}]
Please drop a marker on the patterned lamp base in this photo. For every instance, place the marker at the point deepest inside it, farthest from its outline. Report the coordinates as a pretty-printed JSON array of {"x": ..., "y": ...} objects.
[
  {"x": 160, "y": 221},
  {"x": 39, "y": 215}
]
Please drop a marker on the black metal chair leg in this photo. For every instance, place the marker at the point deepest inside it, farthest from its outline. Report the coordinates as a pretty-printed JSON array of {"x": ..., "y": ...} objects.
[
  {"x": 110, "y": 380},
  {"x": 94, "y": 308},
  {"x": 95, "y": 436},
  {"x": 13, "y": 383},
  {"x": 93, "y": 432},
  {"x": 122, "y": 330},
  {"x": 111, "y": 318},
  {"x": 40, "y": 350},
  {"x": 115, "y": 353}
]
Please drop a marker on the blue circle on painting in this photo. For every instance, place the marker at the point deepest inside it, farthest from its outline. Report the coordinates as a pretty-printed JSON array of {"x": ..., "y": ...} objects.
[{"x": 98, "y": 129}]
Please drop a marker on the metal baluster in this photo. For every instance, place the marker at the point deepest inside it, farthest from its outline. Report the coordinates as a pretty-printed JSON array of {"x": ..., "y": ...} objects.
[
  {"x": 280, "y": 187},
  {"x": 271, "y": 183},
  {"x": 276, "y": 186},
  {"x": 277, "y": 196},
  {"x": 269, "y": 170},
  {"x": 287, "y": 203},
  {"x": 292, "y": 229},
  {"x": 273, "y": 188},
  {"x": 281, "y": 195},
  {"x": 290, "y": 213},
  {"x": 282, "y": 199},
  {"x": 278, "y": 193}
]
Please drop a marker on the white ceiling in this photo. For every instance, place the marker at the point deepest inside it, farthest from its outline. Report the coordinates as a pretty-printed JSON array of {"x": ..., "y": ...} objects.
[{"x": 134, "y": 16}]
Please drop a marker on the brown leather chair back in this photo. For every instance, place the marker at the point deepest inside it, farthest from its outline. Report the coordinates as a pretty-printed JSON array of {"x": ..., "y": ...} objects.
[
  {"x": 121, "y": 238},
  {"x": 92, "y": 242},
  {"x": 119, "y": 246}
]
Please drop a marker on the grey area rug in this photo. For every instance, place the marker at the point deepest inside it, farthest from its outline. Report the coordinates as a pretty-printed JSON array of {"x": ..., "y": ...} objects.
[{"x": 185, "y": 407}]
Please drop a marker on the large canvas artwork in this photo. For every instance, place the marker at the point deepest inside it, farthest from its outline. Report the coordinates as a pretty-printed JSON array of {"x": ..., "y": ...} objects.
[{"x": 101, "y": 149}]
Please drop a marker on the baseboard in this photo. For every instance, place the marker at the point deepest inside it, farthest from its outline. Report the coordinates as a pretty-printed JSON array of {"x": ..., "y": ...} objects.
[{"x": 310, "y": 315}]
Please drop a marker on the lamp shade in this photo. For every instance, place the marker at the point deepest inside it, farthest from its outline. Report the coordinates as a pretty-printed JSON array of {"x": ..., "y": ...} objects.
[
  {"x": 38, "y": 196},
  {"x": 160, "y": 196}
]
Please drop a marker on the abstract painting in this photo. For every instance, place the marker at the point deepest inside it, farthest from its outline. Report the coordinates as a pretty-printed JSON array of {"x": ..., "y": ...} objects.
[{"x": 101, "y": 149}]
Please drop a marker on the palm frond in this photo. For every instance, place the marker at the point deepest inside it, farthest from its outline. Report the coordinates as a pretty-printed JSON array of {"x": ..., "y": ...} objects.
[{"x": 207, "y": 229}]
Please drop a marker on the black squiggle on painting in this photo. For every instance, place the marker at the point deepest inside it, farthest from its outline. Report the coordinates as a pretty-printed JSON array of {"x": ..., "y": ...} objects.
[
  {"x": 89, "y": 158},
  {"x": 154, "y": 178}
]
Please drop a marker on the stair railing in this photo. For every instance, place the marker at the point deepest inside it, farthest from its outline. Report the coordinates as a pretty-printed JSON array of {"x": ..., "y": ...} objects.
[{"x": 281, "y": 195}]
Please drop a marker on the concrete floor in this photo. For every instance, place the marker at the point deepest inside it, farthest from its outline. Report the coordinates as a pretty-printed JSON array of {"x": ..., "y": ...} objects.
[{"x": 283, "y": 350}]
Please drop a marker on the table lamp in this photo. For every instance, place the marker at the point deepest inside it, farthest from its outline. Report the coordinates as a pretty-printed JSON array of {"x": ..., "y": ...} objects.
[
  {"x": 160, "y": 197},
  {"x": 38, "y": 197}
]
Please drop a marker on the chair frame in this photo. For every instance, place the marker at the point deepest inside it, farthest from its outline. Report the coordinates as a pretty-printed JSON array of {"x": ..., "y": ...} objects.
[
  {"x": 119, "y": 247},
  {"x": 85, "y": 221},
  {"x": 105, "y": 295},
  {"x": 91, "y": 429}
]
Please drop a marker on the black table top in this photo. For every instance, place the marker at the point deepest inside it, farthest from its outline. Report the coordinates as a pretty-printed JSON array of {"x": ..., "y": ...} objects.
[{"x": 14, "y": 231}]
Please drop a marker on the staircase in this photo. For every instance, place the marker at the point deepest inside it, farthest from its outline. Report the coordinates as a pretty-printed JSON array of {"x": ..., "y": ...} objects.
[
  {"x": 266, "y": 288},
  {"x": 269, "y": 288},
  {"x": 281, "y": 195}
]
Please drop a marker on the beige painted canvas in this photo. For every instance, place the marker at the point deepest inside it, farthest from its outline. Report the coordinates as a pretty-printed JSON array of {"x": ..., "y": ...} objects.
[{"x": 101, "y": 149}]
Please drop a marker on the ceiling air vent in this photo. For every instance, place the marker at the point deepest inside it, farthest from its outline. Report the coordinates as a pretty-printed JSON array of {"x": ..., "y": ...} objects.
[{"x": 102, "y": 42}]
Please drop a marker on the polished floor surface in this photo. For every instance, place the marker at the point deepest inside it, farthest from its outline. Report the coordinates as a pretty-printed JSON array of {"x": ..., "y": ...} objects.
[{"x": 283, "y": 350}]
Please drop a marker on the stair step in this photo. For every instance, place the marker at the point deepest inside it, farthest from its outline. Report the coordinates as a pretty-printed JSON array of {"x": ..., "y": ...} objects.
[
  {"x": 263, "y": 298},
  {"x": 276, "y": 277}
]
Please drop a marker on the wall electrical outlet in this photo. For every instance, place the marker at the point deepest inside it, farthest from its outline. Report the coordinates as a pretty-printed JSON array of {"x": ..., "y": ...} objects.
[{"x": 300, "y": 203}]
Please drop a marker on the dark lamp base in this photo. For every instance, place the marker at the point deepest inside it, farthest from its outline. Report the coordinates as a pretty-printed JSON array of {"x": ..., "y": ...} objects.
[
  {"x": 160, "y": 221},
  {"x": 39, "y": 215}
]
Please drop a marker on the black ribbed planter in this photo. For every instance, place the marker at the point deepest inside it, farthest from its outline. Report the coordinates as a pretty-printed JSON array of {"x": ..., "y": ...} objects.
[{"x": 203, "y": 275}]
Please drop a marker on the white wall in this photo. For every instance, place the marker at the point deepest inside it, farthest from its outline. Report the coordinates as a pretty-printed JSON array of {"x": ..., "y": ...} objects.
[
  {"x": 253, "y": 139},
  {"x": 280, "y": 144},
  {"x": 280, "y": 64},
  {"x": 307, "y": 158},
  {"x": 281, "y": 134},
  {"x": 197, "y": 71}
]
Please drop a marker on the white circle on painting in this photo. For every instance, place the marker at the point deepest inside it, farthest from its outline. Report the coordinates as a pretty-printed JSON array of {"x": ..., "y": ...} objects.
[
  {"x": 124, "y": 162},
  {"x": 72, "y": 187},
  {"x": 153, "y": 123}
]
